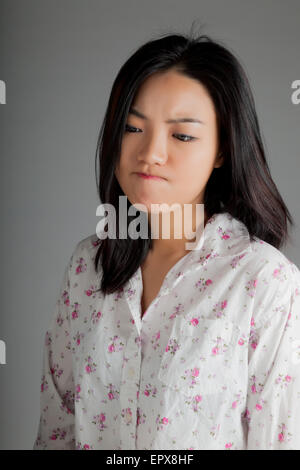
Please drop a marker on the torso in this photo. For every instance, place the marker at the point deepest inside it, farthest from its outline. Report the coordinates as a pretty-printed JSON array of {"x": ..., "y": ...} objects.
[{"x": 153, "y": 275}]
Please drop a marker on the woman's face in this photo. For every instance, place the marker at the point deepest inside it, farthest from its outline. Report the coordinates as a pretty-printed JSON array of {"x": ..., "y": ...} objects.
[{"x": 154, "y": 146}]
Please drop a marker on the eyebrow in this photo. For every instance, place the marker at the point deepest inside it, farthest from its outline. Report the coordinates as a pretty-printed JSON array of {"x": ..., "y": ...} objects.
[{"x": 135, "y": 112}]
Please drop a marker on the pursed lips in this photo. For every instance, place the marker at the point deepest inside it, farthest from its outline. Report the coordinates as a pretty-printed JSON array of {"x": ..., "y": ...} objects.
[{"x": 149, "y": 177}]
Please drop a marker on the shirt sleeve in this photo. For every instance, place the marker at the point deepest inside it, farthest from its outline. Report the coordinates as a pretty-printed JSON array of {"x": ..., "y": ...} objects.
[
  {"x": 57, "y": 412},
  {"x": 273, "y": 396}
]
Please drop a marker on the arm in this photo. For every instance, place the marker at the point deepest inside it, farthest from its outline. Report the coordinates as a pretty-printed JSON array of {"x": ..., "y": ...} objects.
[
  {"x": 57, "y": 411},
  {"x": 273, "y": 396}
]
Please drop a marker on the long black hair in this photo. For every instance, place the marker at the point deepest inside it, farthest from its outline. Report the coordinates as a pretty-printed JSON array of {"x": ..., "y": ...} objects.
[{"x": 242, "y": 186}]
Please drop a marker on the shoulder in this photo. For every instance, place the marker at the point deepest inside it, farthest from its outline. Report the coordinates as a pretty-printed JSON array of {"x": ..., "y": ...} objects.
[
  {"x": 270, "y": 260},
  {"x": 83, "y": 257},
  {"x": 87, "y": 246},
  {"x": 276, "y": 280}
]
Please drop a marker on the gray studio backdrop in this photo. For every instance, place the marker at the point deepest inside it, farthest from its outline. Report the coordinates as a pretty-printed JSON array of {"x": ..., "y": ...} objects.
[{"x": 58, "y": 59}]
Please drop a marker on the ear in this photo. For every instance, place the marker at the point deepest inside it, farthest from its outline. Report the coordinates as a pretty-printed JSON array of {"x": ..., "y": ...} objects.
[{"x": 219, "y": 161}]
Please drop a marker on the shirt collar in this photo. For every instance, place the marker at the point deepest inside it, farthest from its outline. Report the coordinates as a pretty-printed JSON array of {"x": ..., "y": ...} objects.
[{"x": 223, "y": 236}]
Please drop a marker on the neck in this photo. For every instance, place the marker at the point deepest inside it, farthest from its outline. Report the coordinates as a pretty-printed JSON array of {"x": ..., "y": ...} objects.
[{"x": 170, "y": 226}]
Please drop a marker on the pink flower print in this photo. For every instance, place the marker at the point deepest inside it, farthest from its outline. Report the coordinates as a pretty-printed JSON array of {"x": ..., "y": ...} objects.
[
  {"x": 150, "y": 391},
  {"x": 59, "y": 320},
  {"x": 250, "y": 287},
  {"x": 219, "y": 308},
  {"x": 178, "y": 308},
  {"x": 224, "y": 235},
  {"x": 198, "y": 398},
  {"x": 172, "y": 346},
  {"x": 99, "y": 421},
  {"x": 195, "y": 372},
  {"x": 202, "y": 284},
  {"x": 88, "y": 292},
  {"x": 116, "y": 344},
  {"x": 194, "y": 321},
  {"x": 44, "y": 384},
  {"x": 74, "y": 314},
  {"x": 78, "y": 337},
  {"x": 78, "y": 388},
  {"x": 234, "y": 404},
  {"x": 228, "y": 445},
  {"x": 288, "y": 378},
  {"x": 253, "y": 345},
  {"x": 57, "y": 433},
  {"x": 252, "y": 321},
  {"x": 235, "y": 261},
  {"x": 56, "y": 371},
  {"x": 96, "y": 316},
  {"x": 65, "y": 296},
  {"x": 258, "y": 406},
  {"x": 253, "y": 388},
  {"x": 283, "y": 435},
  {"x": 112, "y": 392},
  {"x": 127, "y": 415},
  {"x": 91, "y": 366},
  {"x": 165, "y": 420},
  {"x": 48, "y": 338},
  {"x": 158, "y": 335},
  {"x": 81, "y": 266},
  {"x": 86, "y": 446},
  {"x": 215, "y": 350},
  {"x": 241, "y": 341},
  {"x": 275, "y": 272}
]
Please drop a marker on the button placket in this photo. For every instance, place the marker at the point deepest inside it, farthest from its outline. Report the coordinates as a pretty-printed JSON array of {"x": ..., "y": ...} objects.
[{"x": 128, "y": 393}]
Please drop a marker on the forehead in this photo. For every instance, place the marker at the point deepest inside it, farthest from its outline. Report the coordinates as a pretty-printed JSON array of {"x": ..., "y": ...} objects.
[{"x": 172, "y": 93}]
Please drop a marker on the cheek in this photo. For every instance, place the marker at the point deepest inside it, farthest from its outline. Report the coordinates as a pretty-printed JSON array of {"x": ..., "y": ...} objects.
[
  {"x": 194, "y": 170},
  {"x": 120, "y": 167}
]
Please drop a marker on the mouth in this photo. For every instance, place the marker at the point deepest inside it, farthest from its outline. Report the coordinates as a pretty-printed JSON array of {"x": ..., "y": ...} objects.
[{"x": 150, "y": 177}]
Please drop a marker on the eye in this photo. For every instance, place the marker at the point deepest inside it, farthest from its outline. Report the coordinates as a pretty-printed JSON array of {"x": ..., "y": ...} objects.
[
  {"x": 189, "y": 137},
  {"x": 181, "y": 137},
  {"x": 129, "y": 128}
]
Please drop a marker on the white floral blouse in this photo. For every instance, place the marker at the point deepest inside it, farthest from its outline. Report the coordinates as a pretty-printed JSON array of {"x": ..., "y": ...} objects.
[{"x": 213, "y": 364}]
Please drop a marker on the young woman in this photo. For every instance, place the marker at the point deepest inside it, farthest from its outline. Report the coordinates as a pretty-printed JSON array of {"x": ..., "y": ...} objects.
[{"x": 156, "y": 346}]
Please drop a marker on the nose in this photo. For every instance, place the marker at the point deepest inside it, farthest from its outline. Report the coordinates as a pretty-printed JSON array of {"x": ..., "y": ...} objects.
[{"x": 153, "y": 150}]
